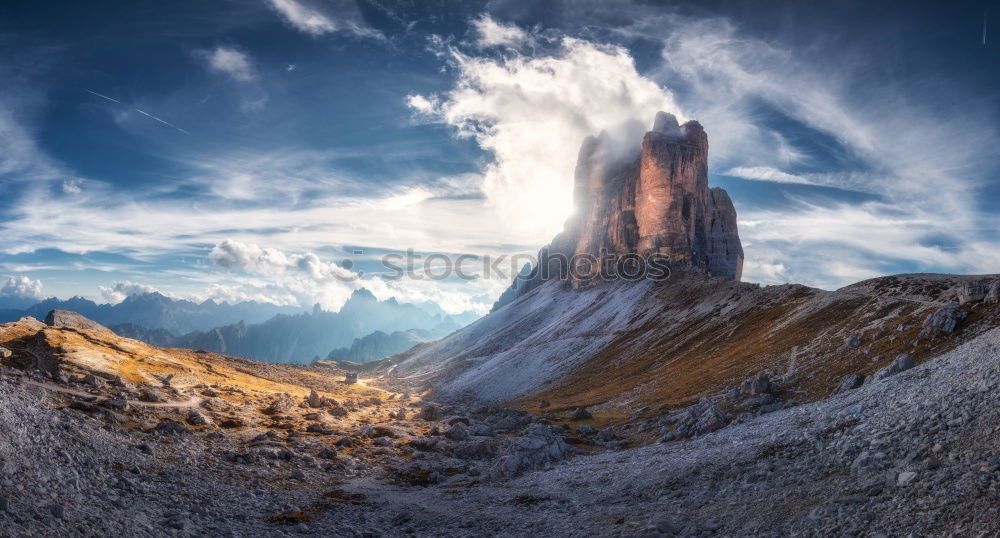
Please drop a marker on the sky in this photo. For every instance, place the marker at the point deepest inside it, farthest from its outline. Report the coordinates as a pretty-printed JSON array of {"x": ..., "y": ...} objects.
[{"x": 276, "y": 150}]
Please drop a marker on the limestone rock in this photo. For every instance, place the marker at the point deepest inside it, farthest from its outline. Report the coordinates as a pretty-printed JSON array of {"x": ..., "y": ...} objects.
[
  {"x": 972, "y": 292},
  {"x": 902, "y": 363},
  {"x": 942, "y": 322},
  {"x": 758, "y": 384},
  {"x": 653, "y": 202},
  {"x": 538, "y": 448},
  {"x": 699, "y": 419},
  {"x": 851, "y": 382},
  {"x": 65, "y": 318},
  {"x": 993, "y": 293}
]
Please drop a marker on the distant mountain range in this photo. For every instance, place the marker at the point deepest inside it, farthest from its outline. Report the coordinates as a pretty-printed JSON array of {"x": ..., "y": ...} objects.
[
  {"x": 364, "y": 326},
  {"x": 380, "y": 344},
  {"x": 156, "y": 311}
]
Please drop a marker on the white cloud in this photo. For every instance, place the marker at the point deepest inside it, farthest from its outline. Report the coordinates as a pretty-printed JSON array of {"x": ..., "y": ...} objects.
[
  {"x": 121, "y": 289},
  {"x": 231, "y": 62},
  {"x": 311, "y": 20},
  {"x": 496, "y": 34},
  {"x": 533, "y": 112},
  {"x": 72, "y": 186},
  {"x": 22, "y": 287}
]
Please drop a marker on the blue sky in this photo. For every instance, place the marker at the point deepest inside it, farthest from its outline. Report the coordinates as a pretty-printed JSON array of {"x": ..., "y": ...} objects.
[{"x": 243, "y": 150}]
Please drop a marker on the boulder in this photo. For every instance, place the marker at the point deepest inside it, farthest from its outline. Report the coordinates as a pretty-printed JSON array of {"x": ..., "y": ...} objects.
[
  {"x": 538, "y": 448},
  {"x": 65, "y": 318},
  {"x": 431, "y": 413},
  {"x": 902, "y": 363},
  {"x": 171, "y": 427},
  {"x": 316, "y": 401},
  {"x": 993, "y": 292},
  {"x": 851, "y": 382},
  {"x": 942, "y": 322},
  {"x": 699, "y": 419},
  {"x": 758, "y": 384},
  {"x": 972, "y": 292},
  {"x": 281, "y": 405},
  {"x": 581, "y": 413},
  {"x": 5, "y": 353}
]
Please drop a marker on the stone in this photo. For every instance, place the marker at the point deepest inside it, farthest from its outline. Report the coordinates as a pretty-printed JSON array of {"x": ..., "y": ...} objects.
[
  {"x": 853, "y": 341},
  {"x": 316, "y": 401},
  {"x": 539, "y": 447},
  {"x": 93, "y": 381},
  {"x": 171, "y": 427},
  {"x": 993, "y": 292},
  {"x": 972, "y": 292},
  {"x": 281, "y": 405},
  {"x": 698, "y": 419},
  {"x": 65, "y": 318},
  {"x": 196, "y": 419},
  {"x": 851, "y": 382},
  {"x": 543, "y": 404},
  {"x": 906, "y": 478},
  {"x": 586, "y": 430},
  {"x": 942, "y": 322},
  {"x": 901, "y": 364},
  {"x": 758, "y": 384},
  {"x": 581, "y": 413},
  {"x": 431, "y": 413},
  {"x": 5, "y": 353}
]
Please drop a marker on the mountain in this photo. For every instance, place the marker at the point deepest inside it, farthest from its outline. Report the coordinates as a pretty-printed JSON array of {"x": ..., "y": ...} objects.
[
  {"x": 153, "y": 337},
  {"x": 631, "y": 348},
  {"x": 379, "y": 344},
  {"x": 157, "y": 311},
  {"x": 299, "y": 338}
]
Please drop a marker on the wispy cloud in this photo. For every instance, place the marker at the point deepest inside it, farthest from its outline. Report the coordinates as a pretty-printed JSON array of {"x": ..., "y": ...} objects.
[
  {"x": 313, "y": 20},
  {"x": 231, "y": 62}
]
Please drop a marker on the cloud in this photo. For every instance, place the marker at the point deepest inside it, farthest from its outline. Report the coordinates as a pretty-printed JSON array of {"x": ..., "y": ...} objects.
[
  {"x": 231, "y": 62},
  {"x": 313, "y": 21},
  {"x": 121, "y": 289},
  {"x": 72, "y": 186},
  {"x": 495, "y": 34},
  {"x": 532, "y": 112},
  {"x": 22, "y": 287}
]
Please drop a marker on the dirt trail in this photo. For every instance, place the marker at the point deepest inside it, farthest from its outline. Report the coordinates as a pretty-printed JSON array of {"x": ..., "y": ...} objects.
[{"x": 193, "y": 401}]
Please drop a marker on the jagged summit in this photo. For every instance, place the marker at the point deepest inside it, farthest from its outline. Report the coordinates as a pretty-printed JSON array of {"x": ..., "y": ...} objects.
[{"x": 656, "y": 202}]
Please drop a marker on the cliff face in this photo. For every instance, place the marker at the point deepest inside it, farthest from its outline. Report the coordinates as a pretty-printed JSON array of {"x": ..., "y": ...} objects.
[{"x": 654, "y": 202}]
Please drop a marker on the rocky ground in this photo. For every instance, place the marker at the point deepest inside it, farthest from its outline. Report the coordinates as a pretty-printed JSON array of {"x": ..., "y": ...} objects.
[{"x": 204, "y": 445}]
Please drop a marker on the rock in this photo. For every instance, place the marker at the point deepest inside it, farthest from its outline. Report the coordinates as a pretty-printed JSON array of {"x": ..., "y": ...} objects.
[
  {"x": 851, "y": 382},
  {"x": 196, "y": 419},
  {"x": 902, "y": 363},
  {"x": 538, "y": 448},
  {"x": 906, "y": 478},
  {"x": 318, "y": 427},
  {"x": 657, "y": 204},
  {"x": 116, "y": 404},
  {"x": 316, "y": 401},
  {"x": 758, "y": 384},
  {"x": 281, "y": 405},
  {"x": 581, "y": 413},
  {"x": 993, "y": 292},
  {"x": 606, "y": 435},
  {"x": 65, "y": 318},
  {"x": 93, "y": 381},
  {"x": 458, "y": 432},
  {"x": 942, "y": 322},
  {"x": 698, "y": 419},
  {"x": 171, "y": 427},
  {"x": 585, "y": 430},
  {"x": 972, "y": 292},
  {"x": 338, "y": 411},
  {"x": 430, "y": 413},
  {"x": 150, "y": 395},
  {"x": 5, "y": 353},
  {"x": 232, "y": 422},
  {"x": 543, "y": 404},
  {"x": 853, "y": 341}
]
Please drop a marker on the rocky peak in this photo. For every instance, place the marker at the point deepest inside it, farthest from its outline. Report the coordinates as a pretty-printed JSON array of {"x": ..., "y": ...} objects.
[
  {"x": 65, "y": 318},
  {"x": 655, "y": 201}
]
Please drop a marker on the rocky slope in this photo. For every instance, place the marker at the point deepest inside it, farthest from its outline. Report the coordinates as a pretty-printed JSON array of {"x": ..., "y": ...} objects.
[{"x": 106, "y": 436}]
